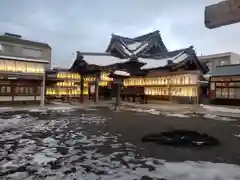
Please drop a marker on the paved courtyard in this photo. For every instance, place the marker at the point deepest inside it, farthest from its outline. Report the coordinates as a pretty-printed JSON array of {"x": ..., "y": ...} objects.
[{"x": 99, "y": 144}]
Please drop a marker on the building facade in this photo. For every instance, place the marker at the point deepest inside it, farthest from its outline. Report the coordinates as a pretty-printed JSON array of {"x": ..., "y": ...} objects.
[
  {"x": 63, "y": 85},
  {"x": 221, "y": 59},
  {"x": 225, "y": 85},
  {"x": 156, "y": 73},
  {"x": 22, "y": 68}
]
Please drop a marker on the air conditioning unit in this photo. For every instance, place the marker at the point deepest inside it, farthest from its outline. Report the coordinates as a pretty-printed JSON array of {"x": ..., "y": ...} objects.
[{"x": 223, "y": 13}]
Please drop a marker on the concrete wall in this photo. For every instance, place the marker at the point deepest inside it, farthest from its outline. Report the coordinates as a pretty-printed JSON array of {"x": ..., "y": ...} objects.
[
  {"x": 235, "y": 58},
  {"x": 215, "y": 60},
  {"x": 18, "y": 52}
]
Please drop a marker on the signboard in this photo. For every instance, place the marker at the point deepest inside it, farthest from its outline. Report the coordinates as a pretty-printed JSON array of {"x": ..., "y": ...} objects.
[
  {"x": 213, "y": 86},
  {"x": 223, "y": 13}
]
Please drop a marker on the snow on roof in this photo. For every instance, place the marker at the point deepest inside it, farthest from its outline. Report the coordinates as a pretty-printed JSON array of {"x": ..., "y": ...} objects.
[
  {"x": 121, "y": 73},
  {"x": 102, "y": 59},
  {"x": 134, "y": 46},
  {"x": 155, "y": 63},
  {"x": 152, "y": 63}
]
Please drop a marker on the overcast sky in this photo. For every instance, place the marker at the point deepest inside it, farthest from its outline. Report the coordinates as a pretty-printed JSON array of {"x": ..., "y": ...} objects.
[{"x": 87, "y": 25}]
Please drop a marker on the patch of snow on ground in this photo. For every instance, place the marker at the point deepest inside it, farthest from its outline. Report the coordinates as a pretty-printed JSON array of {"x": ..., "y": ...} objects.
[
  {"x": 89, "y": 119},
  {"x": 220, "y": 109},
  {"x": 149, "y": 111},
  {"x": 42, "y": 159},
  {"x": 219, "y": 118},
  {"x": 50, "y": 150},
  {"x": 152, "y": 111},
  {"x": 15, "y": 120},
  {"x": 237, "y": 135},
  {"x": 176, "y": 115},
  {"x": 57, "y": 109},
  {"x": 6, "y": 108},
  {"x": 37, "y": 110},
  {"x": 155, "y": 112}
]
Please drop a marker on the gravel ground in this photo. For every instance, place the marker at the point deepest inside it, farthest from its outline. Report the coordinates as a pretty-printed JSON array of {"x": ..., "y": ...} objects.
[{"x": 99, "y": 144}]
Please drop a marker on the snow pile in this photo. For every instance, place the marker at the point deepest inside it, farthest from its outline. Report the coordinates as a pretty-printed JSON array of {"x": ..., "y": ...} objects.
[
  {"x": 155, "y": 112},
  {"x": 219, "y": 118},
  {"x": 55, "y": 109},
  {"x": 149, "y": 111},
  {"x": 220, "y": 109},
  {"x": 42, "y": 159},
  {"x": 15, "y": 121},
  {"x": 237, "y": 135},
  {"x": 176, "y": 115}
]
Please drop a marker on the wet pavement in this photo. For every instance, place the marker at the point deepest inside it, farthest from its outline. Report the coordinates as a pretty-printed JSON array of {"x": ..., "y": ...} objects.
[{"x": 96, "y": 144}]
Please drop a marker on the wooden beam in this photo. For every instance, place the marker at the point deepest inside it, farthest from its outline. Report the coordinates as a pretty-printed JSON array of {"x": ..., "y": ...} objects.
[
  {"x": 97, "y": 87},
  {"x": 223, "y": 13}
]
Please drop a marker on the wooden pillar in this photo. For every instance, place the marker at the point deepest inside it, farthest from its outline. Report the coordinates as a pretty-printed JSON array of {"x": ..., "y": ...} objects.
[
  {"x": 81, "y": 88},
  {"x": 13, "y": 89},
  {"x": 43, "y": 90},
  {"x": 96, "y": 88},
  {"x": 170, "y": 92},
  {"x": 197, "y": 93},
  {"x": 118, "y": 96}
]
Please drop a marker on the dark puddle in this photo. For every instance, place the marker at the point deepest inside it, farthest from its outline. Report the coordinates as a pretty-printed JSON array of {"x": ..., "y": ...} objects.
[{"x": 181, "y": 138}]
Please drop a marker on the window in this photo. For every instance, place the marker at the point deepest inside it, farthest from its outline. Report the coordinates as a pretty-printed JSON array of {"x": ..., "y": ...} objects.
[
  {"x": 7, "y": 48},
  {"x": 8, "y": 89},
  {"x": 222, "y": 62},
  {"x": 10, "y": 65},
  {"x": 18, "y": 66},
  {"x": 38, "y": 90},
  {"x": 232, "y": 94},
  {"x": 223, "y": 93},
  {"x": 21, "y": 90},
  {"x": 21, "y": 66},
  {"x": 1, "y": 48},
  {"x": 30, "y": 90},
  {"x": 32, "y": 52},
  {"x": 209, "y": 64},
  {"x": 237, "y": 93},
  {"x": 26, "y": 90},
  {"x": 3, "y": 89},
  {"x": 17, "y": 90}
]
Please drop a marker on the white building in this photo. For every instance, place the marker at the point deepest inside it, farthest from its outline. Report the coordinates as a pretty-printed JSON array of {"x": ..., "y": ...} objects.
[{"x": 221, "y": 59}]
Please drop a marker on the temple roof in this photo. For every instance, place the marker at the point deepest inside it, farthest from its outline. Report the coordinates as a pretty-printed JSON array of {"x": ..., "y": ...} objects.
[
  {"x": 146, "y": 52},
  {"x": 146, "y": 45},
  {"x": 175, "y": 59}
]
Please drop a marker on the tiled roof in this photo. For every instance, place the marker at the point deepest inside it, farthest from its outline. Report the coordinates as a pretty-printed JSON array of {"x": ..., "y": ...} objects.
[
  {"x": 102, "y": 59},
  {"x": 138, "y": 46},
  {"x": 227, "y": 70},
  {"x": 155, "y": 63}
]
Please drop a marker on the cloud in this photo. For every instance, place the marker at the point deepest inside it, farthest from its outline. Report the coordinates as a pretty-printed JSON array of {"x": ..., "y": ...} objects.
[{"x": 88, "y": 25}]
